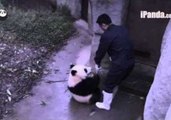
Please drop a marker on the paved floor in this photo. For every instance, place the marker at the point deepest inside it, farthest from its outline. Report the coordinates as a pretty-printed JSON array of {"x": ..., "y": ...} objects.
[{"x": 52, "y": 101}]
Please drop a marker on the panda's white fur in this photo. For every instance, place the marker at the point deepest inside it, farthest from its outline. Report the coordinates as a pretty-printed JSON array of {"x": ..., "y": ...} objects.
[
  {"x": 74, "y": 80},
  {"x": 82, "y": 99}
]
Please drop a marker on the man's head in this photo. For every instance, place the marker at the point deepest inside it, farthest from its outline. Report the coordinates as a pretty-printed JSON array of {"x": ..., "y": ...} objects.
[{"x": 104, "y": 21}]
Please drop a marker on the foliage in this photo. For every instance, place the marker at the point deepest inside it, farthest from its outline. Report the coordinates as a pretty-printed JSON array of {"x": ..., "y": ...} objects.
[
  {"x": 3, "y": 3},
  {"x": 42, "y": 28},
  {"x": 27, "y": 38}
]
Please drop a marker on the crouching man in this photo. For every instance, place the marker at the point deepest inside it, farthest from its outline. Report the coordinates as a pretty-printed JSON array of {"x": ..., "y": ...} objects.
[{"x": 114, "y": 41}]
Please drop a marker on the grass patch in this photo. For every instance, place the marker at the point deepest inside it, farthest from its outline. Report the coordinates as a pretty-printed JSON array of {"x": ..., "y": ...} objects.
[{"x": 39, "y": 29}]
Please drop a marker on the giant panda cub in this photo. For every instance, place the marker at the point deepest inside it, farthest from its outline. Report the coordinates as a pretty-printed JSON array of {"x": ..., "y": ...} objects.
[{"x": 83, "y": 84}]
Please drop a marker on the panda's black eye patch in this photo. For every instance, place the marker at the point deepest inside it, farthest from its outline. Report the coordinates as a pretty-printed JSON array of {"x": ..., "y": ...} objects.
[{"x": 85, "y": 70}]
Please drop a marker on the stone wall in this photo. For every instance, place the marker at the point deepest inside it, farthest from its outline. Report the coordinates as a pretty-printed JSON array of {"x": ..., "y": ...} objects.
[
  {"x": 116, "y": 9},
  {"x": 159, "y": 96},
  {"x": 168, "y": 115},
  {"x": 147, "y": 34}
]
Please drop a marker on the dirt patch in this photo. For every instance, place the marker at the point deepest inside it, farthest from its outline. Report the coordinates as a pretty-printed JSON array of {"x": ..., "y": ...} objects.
[{"x": 20, "y": 66}]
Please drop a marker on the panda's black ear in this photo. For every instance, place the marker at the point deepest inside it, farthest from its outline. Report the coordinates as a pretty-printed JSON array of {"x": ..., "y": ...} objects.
[
  {"x": 73, "y": 72},
  {"x": 71, "y": 66}
]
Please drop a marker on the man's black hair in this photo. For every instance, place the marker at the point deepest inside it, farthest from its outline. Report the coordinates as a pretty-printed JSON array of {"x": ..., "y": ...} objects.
[{"x": 104, "y": 18}]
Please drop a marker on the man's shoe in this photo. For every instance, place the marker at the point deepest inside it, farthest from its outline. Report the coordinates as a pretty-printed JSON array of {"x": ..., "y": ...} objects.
[{"x": 107, "y": 100}]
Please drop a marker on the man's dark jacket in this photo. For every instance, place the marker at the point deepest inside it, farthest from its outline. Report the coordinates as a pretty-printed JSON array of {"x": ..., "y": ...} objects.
[{"x": 115, "y": 41}]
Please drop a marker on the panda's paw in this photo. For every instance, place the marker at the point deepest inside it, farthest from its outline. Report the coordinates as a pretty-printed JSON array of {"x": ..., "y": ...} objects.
[{"x": 91, "y": 75}]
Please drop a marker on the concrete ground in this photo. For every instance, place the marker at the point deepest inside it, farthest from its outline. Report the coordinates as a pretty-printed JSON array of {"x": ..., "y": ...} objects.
[{"x": 52, "y": 101}]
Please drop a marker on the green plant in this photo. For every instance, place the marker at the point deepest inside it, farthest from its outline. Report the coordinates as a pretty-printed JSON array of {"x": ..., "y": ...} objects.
[
  {"x": 38, "y": 28},
  {"x": 27, "y": 38},
  {"x": 3, "y": 3}
]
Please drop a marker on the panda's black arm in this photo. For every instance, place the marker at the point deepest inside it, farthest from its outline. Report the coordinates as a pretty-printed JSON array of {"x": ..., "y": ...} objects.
[{"x": 86, "y": 87}]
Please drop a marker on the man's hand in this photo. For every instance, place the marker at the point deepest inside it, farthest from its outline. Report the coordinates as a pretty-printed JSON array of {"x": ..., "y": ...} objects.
[{"x": 97, "y": 67}]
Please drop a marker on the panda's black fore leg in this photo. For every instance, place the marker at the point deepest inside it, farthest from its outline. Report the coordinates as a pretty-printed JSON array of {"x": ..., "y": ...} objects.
[{"x": 96, "y": 97}]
